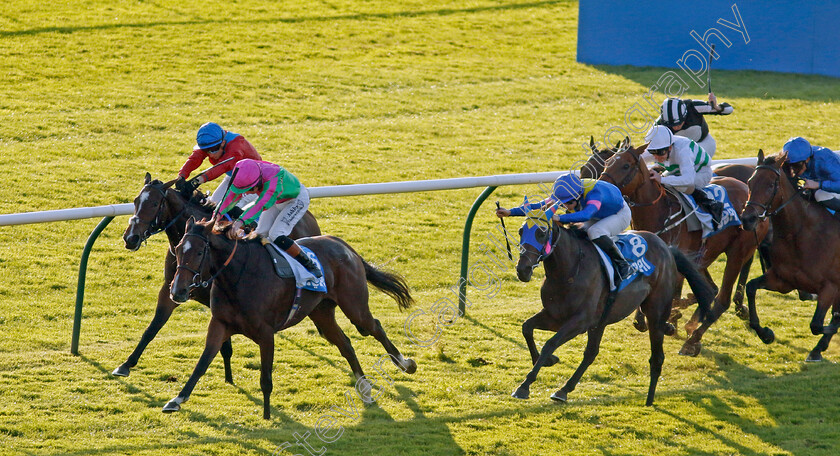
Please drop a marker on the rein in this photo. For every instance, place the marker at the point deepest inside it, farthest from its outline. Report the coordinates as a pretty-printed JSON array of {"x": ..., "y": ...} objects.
[
  {"x": 197, "y": 282},
  {"x": 153, "y": 227}
]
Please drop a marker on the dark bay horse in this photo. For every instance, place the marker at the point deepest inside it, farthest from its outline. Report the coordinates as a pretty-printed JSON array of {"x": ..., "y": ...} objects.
[
  {"x": 159, "y": 208},
  {"x": 575, "y": 291},
  {"x": 248, "y": 298},
  {"x": 805, "y": 253},
  {"x": 652, "y": 206}
]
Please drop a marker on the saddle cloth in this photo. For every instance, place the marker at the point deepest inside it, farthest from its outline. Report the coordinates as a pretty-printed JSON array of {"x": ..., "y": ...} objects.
[
  {"x": 633, "y": 247},
  {"x": 702, "y": 220},
  {"x": 287, "y": 267}
]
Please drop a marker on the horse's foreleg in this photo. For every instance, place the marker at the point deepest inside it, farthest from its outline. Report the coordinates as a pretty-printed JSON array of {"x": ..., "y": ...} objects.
[
  {"x": 217, "y": 333},
  {"x": 593, "y": 345},
  {"x": 567, "y": 331},
  {"x": 163, "y": 311},
  {"x": 826, "y": 299},
  {"x": 741, "y": 310},
  {"x": 266, "y": 344},
  {"x": 227, "y": 352},
  {"x": 541, "y": 320},
  {"x": 657, "y": 358}
]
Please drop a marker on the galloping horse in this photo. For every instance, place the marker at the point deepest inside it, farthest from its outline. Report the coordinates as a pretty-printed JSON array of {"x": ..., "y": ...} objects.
[
  {"x": 652, "y": 206},
  {"x": 575, "y": 296},
  {"x": 805, "y": 253},
  {"x": 248, "y": 298},
  {"x": 159, "y": 208}
]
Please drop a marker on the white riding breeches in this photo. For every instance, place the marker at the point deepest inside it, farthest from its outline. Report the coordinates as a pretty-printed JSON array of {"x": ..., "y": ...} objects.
[
  {"x": 280, "y": 219},
  {"x": 609, "y": 226}
]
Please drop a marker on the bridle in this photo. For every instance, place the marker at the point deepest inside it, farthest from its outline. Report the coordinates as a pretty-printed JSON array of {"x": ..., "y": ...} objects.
[
  {"x": 767, "y": 212},
  {"x": 154, "y": 227},
  {"x": 197, "y": 280},
  {"x": 550, "y": 246},
  {"x": 629, "y": 178}
]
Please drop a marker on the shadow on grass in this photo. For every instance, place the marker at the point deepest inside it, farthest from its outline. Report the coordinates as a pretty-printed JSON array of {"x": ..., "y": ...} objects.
[
  {"x": 741, "y": 84},
  {"x": 287, "y": 20}
]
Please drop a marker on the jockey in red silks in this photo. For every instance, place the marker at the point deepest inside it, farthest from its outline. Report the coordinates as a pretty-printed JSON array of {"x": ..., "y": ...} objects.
[
  {"x": 218, "y": 145},
  {"x": 281, "y": 202},
  {"x": 597, "y": 204}
]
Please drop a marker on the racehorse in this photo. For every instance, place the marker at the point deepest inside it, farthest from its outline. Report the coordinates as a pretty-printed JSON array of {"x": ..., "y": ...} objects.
[
  {"x": 576, "y": 298},
  {"x": 805, "y": 253},
  {"x": 248, "y": 298},
  {"x": 159, "y": 208},
  {"x": 652, "y": 206}
]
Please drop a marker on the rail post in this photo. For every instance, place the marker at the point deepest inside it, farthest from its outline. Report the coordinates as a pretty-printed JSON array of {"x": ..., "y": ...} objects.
[
  {"x": 80, "y": 288},
  {"x": 465, "y": 250}
]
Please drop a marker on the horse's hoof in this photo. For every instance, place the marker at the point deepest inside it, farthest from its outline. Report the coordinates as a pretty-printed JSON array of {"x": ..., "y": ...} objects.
[
  {"x": 814, "y": 357},
  {"x": 640, "y": 325},
  {"x": 552, "y": 360},
  {"x": 767, "y": 336},
  {"x": 523, "y": 392},
  {"x": 559, "y": 395},
  {"x": 411, "y": 366},
  {"x": 174, "y": 405},
  {"x": 691, "y": 349},
  {"x": 742, "y": 312},
  {"x": 669, "y": 329},
  {"x": 121, "y": 371}
]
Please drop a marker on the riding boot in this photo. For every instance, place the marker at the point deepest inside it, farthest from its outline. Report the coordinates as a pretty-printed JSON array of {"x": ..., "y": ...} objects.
[
  {"x": 608, "y": 246},
  {"x": 833, "y": 204},
  {"x": 714, "y": 208},
  {"x": 291, "y": 247}
]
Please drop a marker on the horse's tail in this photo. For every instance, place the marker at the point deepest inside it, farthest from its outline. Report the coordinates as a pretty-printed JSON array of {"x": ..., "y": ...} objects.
[
  {"x": 702, "y": 289},
  {"x": 389, "y": 283}
]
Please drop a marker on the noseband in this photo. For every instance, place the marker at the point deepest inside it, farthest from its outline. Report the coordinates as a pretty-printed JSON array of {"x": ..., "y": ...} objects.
[{"x": 196, "y": 280}]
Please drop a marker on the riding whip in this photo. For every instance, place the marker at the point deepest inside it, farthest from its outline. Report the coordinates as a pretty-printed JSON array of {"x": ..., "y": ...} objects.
[
  {"x": 213, "y": 167},
  {"x": 224, "y": 197},
  {"x": 507, "y": 243},
  {"x": 709, "y": 68}
]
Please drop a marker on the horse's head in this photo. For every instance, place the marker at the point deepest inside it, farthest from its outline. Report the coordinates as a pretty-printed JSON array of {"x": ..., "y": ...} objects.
[
  {"x": 150, "y": 214},
  {"x": 626, "y": 169},
  {"x": 764, "y": 185},
  {"x": 534, "y": 243},
  {"x": 192, "y": 254},
  {"x": 594, "y": 166}
]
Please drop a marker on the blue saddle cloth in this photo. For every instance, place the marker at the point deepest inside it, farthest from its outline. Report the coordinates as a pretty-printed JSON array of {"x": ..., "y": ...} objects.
[
  {"x": 633, "y": 247},
  {"x": 287, "y": 267},
  {"x": 729, "y": 217}
]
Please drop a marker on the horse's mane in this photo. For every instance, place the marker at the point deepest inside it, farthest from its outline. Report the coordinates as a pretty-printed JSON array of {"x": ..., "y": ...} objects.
[
  {"x": 224, "y": 228},
  {"x": 198, "y": 198},
  {"x": 774, "y": 161},
  {"x": 575, "y": 231}
]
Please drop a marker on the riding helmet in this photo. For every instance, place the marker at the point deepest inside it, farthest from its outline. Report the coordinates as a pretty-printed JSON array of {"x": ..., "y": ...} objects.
[
  {"x": 673, "y": 112},
  {"x": 247, "y": 176},
  {"x": 209, "y": 135},
  {"x": 568, "y": 187},
  {"x": 798, "y": 149},
  {"x": 659, "y": 137}
]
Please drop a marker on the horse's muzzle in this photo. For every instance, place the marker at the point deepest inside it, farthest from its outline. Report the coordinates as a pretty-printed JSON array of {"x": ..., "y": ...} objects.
[{"x": 132, "y": 242}]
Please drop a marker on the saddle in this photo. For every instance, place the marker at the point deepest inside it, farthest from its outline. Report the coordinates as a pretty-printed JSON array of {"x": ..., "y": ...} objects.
[
  {"x": 696, "y": 218},
  {"x": 633, "y": 247}
]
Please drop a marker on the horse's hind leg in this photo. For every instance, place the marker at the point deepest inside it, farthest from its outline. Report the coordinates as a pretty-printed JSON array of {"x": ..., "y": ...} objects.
[
  {"x": 324, "y": 318},
  {"x": 163, "y": 311},
  {"x": 540, "y": 320},
  {"x": 822, "y": 345},
  {"x": 593, "y": 345},
  {"x": 363, "y": 320}
]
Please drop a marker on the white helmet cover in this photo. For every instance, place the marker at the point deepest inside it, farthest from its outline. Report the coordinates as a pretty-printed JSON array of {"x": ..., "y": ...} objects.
[{"x": 659, "y": 137}]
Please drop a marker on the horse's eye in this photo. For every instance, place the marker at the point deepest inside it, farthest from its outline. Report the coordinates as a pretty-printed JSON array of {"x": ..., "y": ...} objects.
[
  {"x": 520, "y": 231},
  {"x": 626, "y": 166}
]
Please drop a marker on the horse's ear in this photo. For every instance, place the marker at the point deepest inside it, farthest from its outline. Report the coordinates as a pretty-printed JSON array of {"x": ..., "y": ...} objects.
[
  {"x": 190, "y": 223},
  {"x": 781, "y": 157},
  {"x": 148, "y": 179},
  {"x": 627, "y": 142},
  {"x": 592, "y": 144},
  {"x": 640, "y": 150},
  {"x": 168, "y": 184},
  {"x": 760, "y": 157}
]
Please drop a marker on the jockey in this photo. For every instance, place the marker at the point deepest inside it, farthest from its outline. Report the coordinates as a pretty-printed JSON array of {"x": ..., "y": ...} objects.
[
  {"x": 218, "y": 145},
  {"x": 598, "y": 204},
  {"x": 685, "y": 118},
  {"x": 686, "y": 167},
  {"x": 282, "y": 201},
  {"x": 819, "y": 166}
]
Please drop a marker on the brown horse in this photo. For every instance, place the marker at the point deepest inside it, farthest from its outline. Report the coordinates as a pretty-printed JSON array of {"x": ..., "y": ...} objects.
[
  {"x": 248, "y": 298},
  {"x": 805, "y": 253},
  {"x": 575, "y": 296},
  {"x": 652, "y": 207},
  {"x": 159, "y": 208}
]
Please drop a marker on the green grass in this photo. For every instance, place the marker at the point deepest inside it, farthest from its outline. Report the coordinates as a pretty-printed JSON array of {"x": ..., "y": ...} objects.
[{"x": 96, "y": 93}]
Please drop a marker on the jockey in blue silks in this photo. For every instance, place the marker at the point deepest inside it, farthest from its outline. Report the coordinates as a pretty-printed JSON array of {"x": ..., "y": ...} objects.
[
  {"x": 597, "y": 204},
  {"x": 819, "y": 166}
]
